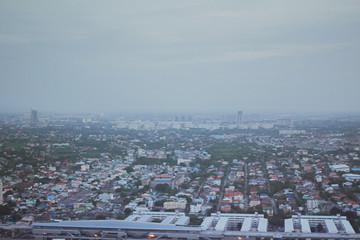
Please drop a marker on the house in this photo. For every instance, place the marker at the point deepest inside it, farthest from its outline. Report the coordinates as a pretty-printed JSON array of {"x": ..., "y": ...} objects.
[
  {"x": 85, "y": 167},
  {"x": 307, "y": 167},
  {"x": 217, "y": 181},
  {"x": 227, "y": 200},
  {"x": 28, "y": 220},
  {"x": 238, "y": 196},
  {"x": 225, "y": 208},
  {"x": 269, "y": 210},
  {"x": 106, "y": 196},
  {"x": 254, "y": 202},
  {"x": 59, "y": 187},
  {"x": 132, "y": 205}
]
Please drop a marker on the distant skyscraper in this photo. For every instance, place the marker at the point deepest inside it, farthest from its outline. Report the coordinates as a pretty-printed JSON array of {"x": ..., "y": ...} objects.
[
  {"x": 34, "y": 116},
  {"x": 240, "y": 118},
  {"x": 285, "y": 122},
  {"x": 1, "y": 193}
]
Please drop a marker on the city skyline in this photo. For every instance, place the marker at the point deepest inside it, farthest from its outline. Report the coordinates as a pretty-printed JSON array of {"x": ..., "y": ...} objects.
[{"x": 212, "y": 178}]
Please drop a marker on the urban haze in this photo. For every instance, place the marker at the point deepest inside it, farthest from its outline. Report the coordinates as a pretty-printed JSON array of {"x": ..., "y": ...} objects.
[
  {"x": 179, "y": 56},
  {"x": 181, "y": 120}
]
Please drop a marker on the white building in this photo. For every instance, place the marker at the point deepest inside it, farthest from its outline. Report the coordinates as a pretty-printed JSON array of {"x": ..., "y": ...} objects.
[
  {"x": 351, "y": 177},
  {"x": 175, "y": 205},
  {"x": 52, "y": 168},
  {"x": 312, "y": 204},
  {"x": 195, "y": 207},
  {"x": 150, "y": 203},
  {"x": 291, "y": 132},
  {"x": 132, "y": 205},
  {"x": 106, "y": 196},
  {"x": 340, "y": 168},
  {"x": 172, "y": 218},
  {"x": 225, "y": 221},
  {"x": 185, "y": 161},
  {"x": 1, "y": 193},
  {"x": 59, "y": 187},
  {"x": 85, "y": 167},
  {"x": 331, "y": 224}
]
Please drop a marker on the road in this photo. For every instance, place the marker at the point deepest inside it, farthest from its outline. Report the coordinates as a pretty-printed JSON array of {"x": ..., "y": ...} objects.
[
  {"x": 200, "y": 188},
  {"x": 273, "y": 203},
  {"x": 246, "y": 195},
  {"x": 223, "y": 184}
]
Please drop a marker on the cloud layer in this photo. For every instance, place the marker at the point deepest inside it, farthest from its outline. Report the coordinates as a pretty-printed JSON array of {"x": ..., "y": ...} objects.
[{"x": 179, "y": 56}]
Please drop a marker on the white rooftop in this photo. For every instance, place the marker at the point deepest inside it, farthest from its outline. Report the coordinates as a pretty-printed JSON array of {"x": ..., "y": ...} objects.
[
  {"x": 206, "y": 223},
  {"x": 305, "y": 226},
  {"x": 221, "y": 224},
  {"x": 347, "y": 226},
  {"x": 289, "y": 225},
  {"x": 331, "y": 227},
  {"x": 115, "y": 224},
  {"x": 263, "y": 224},
  {"x": 246, "y": 227}
]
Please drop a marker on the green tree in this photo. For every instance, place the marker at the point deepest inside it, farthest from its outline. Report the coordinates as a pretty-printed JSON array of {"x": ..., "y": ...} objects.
[
  {"x": 335, "y": 211},
  {"x": 276, "y": 187},
  {"x": 188, "y": 199},
  {"x": 127, "y": 211},
  {"x": 309, "y": 176},
  {"x": 100, "y": 216},
  {"x": 319, "y": 227},
  {"x": 129, "y": 169},
  {"x": 163, "y": 188},
  {"x": 195, "y": 220},
  {"x": 157, "y": 220},
  {"x": 159, "y": 203},
  {"x": 5, "y": 210}
]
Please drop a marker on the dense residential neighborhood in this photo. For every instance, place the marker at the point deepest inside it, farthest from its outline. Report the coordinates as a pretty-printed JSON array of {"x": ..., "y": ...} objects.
[{"x": 76, "y": 168}]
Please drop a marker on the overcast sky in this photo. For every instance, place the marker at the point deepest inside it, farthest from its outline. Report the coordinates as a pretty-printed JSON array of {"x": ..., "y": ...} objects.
[{"x": 179, "y": 56}]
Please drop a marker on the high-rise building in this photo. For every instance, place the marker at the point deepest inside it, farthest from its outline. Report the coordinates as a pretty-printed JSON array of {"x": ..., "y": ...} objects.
[
  {"x": 34, "y": 116},
  {"x": 1, "y": 193},
  {"x": 284, "y": 122},
  {"x": 240, "y": 118}
]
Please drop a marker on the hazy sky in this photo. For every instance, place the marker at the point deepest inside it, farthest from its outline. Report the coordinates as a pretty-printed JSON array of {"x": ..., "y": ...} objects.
[{"x": 179, "y": 56}]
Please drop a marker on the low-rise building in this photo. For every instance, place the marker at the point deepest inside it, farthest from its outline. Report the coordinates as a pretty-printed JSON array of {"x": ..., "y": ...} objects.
[
  {"x": 179, "y": 204},
  {"x": 351, "y": 177},
  {"x": 340, "y": 168}
]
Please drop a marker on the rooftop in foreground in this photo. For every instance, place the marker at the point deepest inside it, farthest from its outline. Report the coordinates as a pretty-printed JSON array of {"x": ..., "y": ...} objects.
[{"x": 217, "y": 226}]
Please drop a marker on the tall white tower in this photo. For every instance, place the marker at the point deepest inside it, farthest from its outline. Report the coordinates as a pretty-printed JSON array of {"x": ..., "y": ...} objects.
[
  {"x": 1, "y": 193},
  {"x": 240, "y": 118}
]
